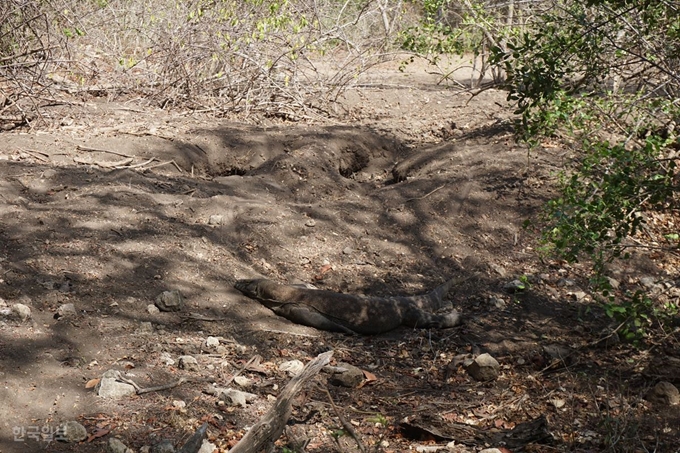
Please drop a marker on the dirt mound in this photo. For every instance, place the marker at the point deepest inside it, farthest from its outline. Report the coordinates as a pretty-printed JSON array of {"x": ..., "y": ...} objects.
[{"x": 120, "y": 205}]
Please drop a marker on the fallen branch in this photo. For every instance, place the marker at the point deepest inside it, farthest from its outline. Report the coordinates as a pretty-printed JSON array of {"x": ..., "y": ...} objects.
[
  {"x": 345, "y": 424},
  {"x": 140, "y": 390},
  {"x": 166, "y": 163},
  {"x": 37, "y": 154},
  {"x": 117, "y": 164},
  {"x": 426, "y": 195},
  {"x": 97, "y": 150},
  {"x": 146, "y": 162},
  {"x": 270, "y": 427}
]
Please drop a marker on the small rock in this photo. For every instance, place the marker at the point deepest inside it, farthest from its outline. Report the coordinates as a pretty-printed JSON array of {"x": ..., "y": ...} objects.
[
  {"x": 179, "y": 404},
  {"x": 243, "y": 381},
  {"x": 152, "y": 309},
  {"x": 109, "y": 387},
  {"x": 48, "y": 284},
  {"x": 500, "y": 270},
  {"x": 558, "y": 354},
  {"x": 170, "y": 301},
  {"x": 650, "y": 284},
  {"x": 454, "y": 447},
  {"x": 215, "y": 219},
  {"x": 497, "y": 302},
  {"x": 427, "y": 448},
  {"x": 166, "y": 358},
  {"x": 145, "y": 327},
  {"x": 66, "y": 311},
  {"x": 484, "y": 368},
  {"x": 188, "y": 363},
  {"x": 164, "y": 446},
  {"x": 292, "y": 367},
  {"x": 578, "y": 296},
  {"x": 558, "y": 403},
  {"x": 663, "y": 393},
  {"x": 347, "y": 250},
  {"x": 207, "y": 447},
  {"x": 66, "y": 287},
  {"x": 310, "y": 223},
  {"x": 21, "y": 312},
  {"x": 346, "y": 375},
  {"x": 613, "y": 283},
  {"x": 212, "y": 342},
  {"x": 566, "y": 282},
  {"x": 514, "y": 286},
  {"x": 115, "y": 445},
  {"x": 71, "y": 432},
  {"x": 232, "y": 397},
  {"x": 491, "y": 450}
]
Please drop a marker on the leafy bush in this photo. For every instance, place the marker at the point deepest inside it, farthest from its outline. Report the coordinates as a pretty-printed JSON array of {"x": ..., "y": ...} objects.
[
  {"x": 603, "y": 78},
  {"x": 220, "y": 56}
]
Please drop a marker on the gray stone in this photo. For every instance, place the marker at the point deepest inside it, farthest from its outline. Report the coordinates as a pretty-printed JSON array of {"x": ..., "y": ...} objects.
[
  {"x": 346, "y": 375},
  {"x": 212, "y": 342},
  {"x": 207, "y": 447},
  {"x": 145, "y": 327},
  {"x": 484, "y": 368},
  {"x": 164, "y": 446},
  {"x": 497, "y": 302},
  {"x": 577, "y": 295},
  {"x": 188, "y": 363},
  {"x": 559, "y": 355},
  {"x": 115, "y": 445},
  {"x": 243, "y": 381},
  {"x": 166, "y": 358},
  {"x": 613, "y": 283},
  {"x": 109, "y": 387},
  {"x": 21, "y": 312},
  {"x": 566, "y": 282},
  {"x": 215, "y": 219},
  {"x": 310, "y": 223},
  {"x": 170, "y": 301},
  {"x": 71, "y": 432},
  {"x": 515, "y": 286},
  {"x": 152, "y": 309},
  {"x": 650, "y": 284},
  {"x": 67, "y": 311},
  {"x": 292, "y": 367},
  {"x": 233, "y": 397},
  {"x": 663, "y": 393}
]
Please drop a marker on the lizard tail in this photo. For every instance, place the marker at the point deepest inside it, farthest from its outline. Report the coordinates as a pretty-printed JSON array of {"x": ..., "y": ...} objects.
[{"x": 438, "y": 295}]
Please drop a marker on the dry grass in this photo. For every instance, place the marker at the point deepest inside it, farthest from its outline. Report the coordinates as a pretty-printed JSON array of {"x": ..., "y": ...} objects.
[{"x": 220, "y": 56}]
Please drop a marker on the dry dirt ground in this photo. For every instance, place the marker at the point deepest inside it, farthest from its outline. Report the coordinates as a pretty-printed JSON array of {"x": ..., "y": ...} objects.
[{"x": 317, "y": 202}]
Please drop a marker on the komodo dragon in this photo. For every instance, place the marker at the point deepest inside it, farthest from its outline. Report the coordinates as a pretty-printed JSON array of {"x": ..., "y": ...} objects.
[{"x": 347, "y": 313}]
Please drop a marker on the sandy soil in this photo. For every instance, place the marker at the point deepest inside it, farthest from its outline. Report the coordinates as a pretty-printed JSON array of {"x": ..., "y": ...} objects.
[{"x": 417, "y": 183}]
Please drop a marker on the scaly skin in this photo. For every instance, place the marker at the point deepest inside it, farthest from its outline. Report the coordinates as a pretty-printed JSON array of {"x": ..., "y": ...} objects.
[{"x": 338, "y": 312}]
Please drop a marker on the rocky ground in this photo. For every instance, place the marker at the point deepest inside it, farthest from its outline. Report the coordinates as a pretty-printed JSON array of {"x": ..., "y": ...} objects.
[{"x": 418, "y": 182}]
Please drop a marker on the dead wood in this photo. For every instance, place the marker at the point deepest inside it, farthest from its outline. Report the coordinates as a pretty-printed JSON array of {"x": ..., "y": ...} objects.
[
  {"x": 270, "y": 427},
  {"x": 431, "y": 426},
  {"x": 98, "y": 150},
  {"x": 345, "y": 424}
]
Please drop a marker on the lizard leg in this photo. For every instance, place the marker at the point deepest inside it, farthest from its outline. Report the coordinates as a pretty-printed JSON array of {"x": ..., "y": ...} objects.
[
  {"x": 425, "y": 320},
  {"x": 301, "y": 314}
]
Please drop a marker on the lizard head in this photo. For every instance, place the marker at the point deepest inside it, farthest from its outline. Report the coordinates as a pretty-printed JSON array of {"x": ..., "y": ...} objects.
[{"x": 250, "y": 288}]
